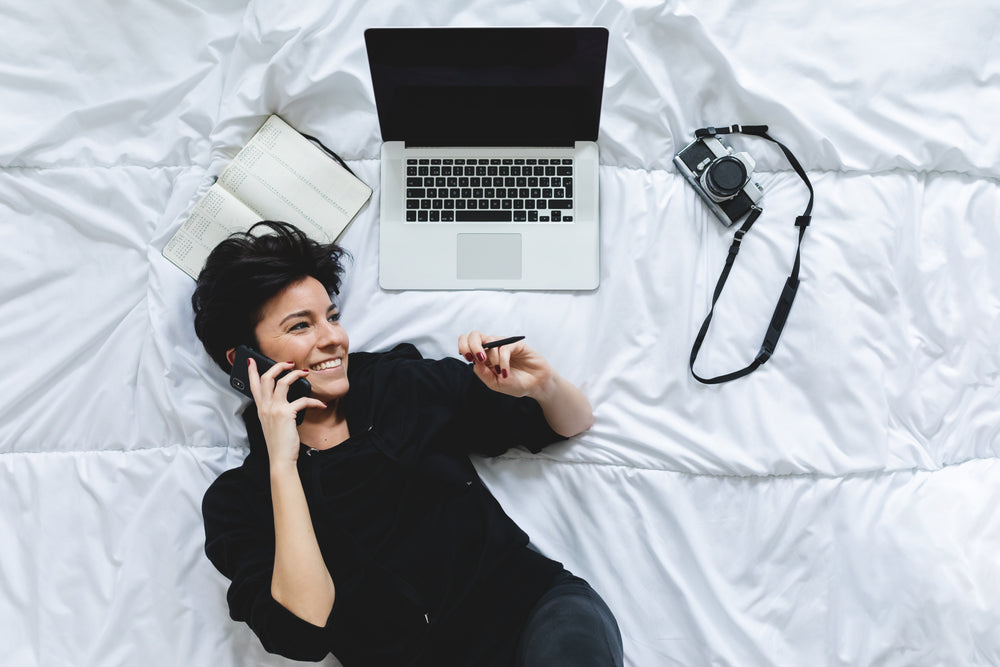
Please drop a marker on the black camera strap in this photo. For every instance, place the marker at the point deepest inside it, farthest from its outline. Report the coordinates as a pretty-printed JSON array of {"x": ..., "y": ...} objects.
[{"x": 784, "y": 305}]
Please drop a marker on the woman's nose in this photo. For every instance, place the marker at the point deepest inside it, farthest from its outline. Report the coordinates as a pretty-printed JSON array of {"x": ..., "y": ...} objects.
[{"x": 332, "y": 332}]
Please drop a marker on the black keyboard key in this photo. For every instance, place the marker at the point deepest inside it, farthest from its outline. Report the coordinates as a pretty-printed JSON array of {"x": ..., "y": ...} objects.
[
  {"x": 411, "y": 216},
  {"x": 556, "y": 215},
  {"x": 412, "y": 204},
  {"x": 483, "y": 216},
  {"x": 564, "y": 171},
  {"x": 520, "y": 216},
  {"x": 560, "y": 203},
  {"x": 416, "y": 193}
]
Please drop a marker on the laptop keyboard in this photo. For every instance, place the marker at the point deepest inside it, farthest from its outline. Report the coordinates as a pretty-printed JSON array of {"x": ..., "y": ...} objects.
[{"x": 489, "y": 190}]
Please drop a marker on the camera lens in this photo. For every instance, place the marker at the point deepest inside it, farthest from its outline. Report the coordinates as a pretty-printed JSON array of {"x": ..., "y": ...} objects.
[{"x": 725, "y": 177}]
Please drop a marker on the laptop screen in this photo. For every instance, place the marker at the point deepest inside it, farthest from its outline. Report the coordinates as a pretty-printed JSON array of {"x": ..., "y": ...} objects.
[{"x": 488, "y": 86}]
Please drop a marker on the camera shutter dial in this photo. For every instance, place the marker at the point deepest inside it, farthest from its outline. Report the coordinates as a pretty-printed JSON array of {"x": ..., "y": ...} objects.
[{"x": 725, "y": 177}]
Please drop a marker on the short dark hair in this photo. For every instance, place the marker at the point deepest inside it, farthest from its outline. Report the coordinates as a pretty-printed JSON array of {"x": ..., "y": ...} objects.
[{"x": 245, "y": 271}]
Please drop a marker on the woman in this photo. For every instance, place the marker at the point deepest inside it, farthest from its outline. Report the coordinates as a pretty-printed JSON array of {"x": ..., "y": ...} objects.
[{"x": 365, "y": 531}]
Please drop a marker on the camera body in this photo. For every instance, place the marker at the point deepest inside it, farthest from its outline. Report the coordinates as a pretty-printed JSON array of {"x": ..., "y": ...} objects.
[{"x": 722, "y": 178}]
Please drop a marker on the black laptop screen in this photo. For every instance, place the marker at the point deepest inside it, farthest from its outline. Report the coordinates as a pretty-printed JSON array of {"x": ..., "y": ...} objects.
[{"x": 488, "y": 86}]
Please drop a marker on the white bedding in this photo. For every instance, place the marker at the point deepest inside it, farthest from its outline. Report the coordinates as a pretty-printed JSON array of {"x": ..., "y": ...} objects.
[{"x": 837, "y": 507}]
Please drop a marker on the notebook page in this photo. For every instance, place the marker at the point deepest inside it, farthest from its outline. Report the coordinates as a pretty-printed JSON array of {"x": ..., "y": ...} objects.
[
  {"x": 283, "y": 176},
  {"x": 215, "y": 217}
]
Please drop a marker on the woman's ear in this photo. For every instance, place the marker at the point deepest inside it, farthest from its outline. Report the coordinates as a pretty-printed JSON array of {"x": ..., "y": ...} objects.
[{"x": 231, "y": 355}]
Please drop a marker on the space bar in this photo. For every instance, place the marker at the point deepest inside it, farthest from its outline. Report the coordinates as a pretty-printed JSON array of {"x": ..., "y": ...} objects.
[{"x": 483, "y": 216}]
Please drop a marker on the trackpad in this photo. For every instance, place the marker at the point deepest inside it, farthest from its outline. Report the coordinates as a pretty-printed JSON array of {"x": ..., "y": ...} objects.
[{"x": 489, "y": 256}]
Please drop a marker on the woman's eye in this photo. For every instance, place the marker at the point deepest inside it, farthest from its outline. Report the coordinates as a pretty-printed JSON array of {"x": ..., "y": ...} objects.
[
  {"x": 334, "y": 317},
  {"x": 298, "y": 325}
]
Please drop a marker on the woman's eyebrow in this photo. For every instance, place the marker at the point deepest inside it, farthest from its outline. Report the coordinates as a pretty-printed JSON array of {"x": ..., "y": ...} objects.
[{"x": 290, "y": 316}]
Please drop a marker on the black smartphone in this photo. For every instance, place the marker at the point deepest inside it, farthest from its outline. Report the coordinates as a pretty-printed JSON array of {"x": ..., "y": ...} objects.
[{"x": 239, "y": 379}]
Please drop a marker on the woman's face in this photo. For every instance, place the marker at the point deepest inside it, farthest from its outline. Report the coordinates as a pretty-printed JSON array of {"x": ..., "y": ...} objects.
[{"x": 302, "y": 325}]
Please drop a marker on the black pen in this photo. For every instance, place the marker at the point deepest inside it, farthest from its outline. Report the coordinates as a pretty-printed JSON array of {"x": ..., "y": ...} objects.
[{"x": 501, "y": 342}]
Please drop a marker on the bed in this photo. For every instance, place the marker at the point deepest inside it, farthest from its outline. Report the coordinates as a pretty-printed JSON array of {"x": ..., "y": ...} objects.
[{"x": 839, "y": 506}]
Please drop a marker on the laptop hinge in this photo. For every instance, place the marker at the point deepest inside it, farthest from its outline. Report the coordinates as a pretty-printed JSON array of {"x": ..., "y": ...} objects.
[{"x": 547, "y": 144}]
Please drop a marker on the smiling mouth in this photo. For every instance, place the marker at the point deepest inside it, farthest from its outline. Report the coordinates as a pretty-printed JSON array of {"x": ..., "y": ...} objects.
[{"x": 328, "y": 365}]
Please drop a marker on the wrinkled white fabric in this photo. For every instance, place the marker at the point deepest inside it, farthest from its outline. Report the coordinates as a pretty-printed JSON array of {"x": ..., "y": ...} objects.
[{"x": 836, "y": 507}]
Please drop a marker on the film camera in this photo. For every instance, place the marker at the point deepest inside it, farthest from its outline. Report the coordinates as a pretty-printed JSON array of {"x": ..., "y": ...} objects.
[{"x": 721, "y": 177}]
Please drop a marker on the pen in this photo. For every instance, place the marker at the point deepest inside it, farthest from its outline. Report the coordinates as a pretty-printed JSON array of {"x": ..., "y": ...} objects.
[{"x": 501, "y": 342}]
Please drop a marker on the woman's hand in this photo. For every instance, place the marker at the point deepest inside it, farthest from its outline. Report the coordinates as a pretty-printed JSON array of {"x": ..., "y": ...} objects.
[
  {"x": 518, "y": 370},
  {"x": 277, "y": 415},
  {"x": 515, "y": 369}
]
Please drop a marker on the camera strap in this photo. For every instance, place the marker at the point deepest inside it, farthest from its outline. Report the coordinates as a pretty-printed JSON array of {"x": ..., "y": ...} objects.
[{"x": 784, "y": 304}]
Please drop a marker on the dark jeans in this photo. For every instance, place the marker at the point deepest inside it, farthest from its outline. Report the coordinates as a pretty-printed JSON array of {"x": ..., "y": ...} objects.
[{"x": 570, "y": 626}]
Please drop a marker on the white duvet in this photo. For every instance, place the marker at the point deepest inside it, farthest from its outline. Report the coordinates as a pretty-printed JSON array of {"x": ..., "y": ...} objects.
[{"x": 840, "y": 506}]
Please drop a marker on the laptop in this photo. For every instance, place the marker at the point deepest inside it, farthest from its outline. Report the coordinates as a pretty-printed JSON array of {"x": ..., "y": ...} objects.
[{"x": 489, "y": 162}]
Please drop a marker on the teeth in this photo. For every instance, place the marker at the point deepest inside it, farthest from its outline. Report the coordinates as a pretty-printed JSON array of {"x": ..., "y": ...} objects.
[{"x": 326, "y": 365}]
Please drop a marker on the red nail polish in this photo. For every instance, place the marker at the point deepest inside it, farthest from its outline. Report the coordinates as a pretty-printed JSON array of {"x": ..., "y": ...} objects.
[
  {"x": 505, "y": 373},
  {"x": 468, "y": 356},
  {"x": 482, "y": 356},
  {"x": 248, "y": 362}
]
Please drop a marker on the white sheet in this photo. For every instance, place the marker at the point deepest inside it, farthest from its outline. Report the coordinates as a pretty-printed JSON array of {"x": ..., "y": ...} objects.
[{"x": 836, "y": 507}]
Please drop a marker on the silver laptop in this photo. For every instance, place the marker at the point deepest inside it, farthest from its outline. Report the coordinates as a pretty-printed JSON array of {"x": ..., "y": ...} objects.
[{"x": 490, "y": 161}]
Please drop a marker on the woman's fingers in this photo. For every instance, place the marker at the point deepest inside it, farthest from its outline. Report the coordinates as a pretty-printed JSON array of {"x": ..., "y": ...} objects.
[
  {"x": 470, "y": 346},
  {"x": 272, "y": 384},
  {"x": 495, "y": 362}
]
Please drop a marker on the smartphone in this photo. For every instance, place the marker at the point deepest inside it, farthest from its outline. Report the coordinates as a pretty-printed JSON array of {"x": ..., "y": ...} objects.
[{"x": 239, "y": 378}]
